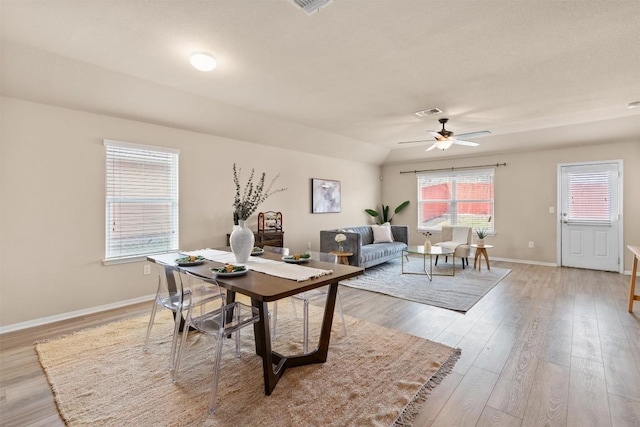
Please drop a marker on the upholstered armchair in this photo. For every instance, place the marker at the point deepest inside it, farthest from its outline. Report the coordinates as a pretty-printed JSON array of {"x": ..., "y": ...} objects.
[{"x": 458, "y": 240}]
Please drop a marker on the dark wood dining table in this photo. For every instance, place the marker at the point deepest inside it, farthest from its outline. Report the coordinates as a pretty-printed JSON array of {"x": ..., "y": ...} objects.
[{"x": 262, "y": 289}]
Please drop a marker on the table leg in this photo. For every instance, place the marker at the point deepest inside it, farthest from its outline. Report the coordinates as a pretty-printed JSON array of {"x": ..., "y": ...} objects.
[
  {"x": 486, "y": 258},
  {"x": 269, "y": 357},
  {"x": 632, "y": 284}
]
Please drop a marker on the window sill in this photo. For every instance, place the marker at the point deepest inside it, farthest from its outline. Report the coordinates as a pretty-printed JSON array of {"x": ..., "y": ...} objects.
[{"x": 124, "y": 260}]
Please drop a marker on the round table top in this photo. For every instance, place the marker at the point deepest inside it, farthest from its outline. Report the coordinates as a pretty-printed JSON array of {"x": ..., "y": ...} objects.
[
  {"x": 485, "y": 246},
  {"x": 435, "y": 250}
]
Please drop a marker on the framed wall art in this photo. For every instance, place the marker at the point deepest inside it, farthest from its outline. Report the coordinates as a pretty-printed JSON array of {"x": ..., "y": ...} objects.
[{"x": 325, "y": 196}]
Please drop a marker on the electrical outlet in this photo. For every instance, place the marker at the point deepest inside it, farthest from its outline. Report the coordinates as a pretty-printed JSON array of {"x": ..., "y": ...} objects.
[
  {"x": 146, "y": 269},
  {"x": 530, "y": 244},
  {"x": 552, "y": 209}
]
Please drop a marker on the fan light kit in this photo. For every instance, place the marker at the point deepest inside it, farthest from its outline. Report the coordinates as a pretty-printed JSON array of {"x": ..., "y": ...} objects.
[
  {"x": 203, "y": 61},
  {"x": 445, "y": 139}
]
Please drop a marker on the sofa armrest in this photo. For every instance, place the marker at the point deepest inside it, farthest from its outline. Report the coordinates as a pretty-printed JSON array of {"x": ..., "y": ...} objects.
[
  {"x": 352, "y": 244},
  {"x": 400, "y": 233}
]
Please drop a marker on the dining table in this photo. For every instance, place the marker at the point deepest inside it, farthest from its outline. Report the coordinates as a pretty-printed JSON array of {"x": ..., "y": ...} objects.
[{"x": 263, "y": 288}]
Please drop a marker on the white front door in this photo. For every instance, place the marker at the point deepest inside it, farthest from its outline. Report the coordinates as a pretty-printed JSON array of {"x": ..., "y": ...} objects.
[{"x": 589, "y": 214}]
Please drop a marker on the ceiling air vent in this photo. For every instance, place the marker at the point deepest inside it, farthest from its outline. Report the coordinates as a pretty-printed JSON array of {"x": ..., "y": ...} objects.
[
  {"x": 311, "y": 6},
  {"x": 429, "y": 112}
]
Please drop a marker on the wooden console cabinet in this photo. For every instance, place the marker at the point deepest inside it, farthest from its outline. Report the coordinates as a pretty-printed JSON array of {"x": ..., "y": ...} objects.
[{"x": 271, "y": 238}]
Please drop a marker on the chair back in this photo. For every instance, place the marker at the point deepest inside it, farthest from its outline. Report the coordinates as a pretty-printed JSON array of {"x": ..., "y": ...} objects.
[
  {"x": 170, "y": 288},
  {"x": 459, "y": 234},
  {"x": 276, "y": 250},
  {"x": 323, "y": 256}
]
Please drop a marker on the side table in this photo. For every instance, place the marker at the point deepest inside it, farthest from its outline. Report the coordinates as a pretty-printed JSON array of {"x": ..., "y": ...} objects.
[
  {"x": 480, "y": 252},
  {"x": 343, "y": 257}
]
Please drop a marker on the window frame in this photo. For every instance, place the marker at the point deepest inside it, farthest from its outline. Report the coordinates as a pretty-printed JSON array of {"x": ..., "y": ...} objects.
[
  {"x": 453, "y": 201},
  {"x": 167, "y": 157}
]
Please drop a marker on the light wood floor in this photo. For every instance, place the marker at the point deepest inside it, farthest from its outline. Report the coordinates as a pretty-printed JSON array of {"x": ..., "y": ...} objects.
[{"x": 547, "y": 346}]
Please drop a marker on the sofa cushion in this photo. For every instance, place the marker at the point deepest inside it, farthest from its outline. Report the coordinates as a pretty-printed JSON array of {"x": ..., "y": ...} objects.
[
  {"x": 382, "y": 233},
  {"x": 381, "y": 251}
]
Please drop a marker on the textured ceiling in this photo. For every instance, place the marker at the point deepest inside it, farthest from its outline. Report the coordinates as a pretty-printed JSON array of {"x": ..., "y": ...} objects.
[{"x": 537, "y": 74}]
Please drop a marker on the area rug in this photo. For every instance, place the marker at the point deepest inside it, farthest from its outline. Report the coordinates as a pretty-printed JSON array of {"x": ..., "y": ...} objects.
[
  {"x": 458, "y": 293},
  {"x": 374, "y": 376}
]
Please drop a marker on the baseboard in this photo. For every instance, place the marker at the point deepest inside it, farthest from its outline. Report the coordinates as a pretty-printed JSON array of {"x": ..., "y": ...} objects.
[
  {"x": 548, "y": 264},
  {"x": 70, "y": 315},
  {"x": 524, "y": 261}
]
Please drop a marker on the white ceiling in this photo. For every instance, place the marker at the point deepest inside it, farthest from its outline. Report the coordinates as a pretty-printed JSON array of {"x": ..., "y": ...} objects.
[{"x": 344, "y": 81}]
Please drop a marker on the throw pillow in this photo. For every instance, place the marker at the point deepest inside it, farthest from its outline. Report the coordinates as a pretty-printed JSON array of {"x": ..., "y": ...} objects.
[{"x": 382, "y": 234}]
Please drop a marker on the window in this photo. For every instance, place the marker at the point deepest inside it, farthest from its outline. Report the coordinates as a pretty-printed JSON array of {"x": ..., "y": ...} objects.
[
  {"x": 141, "y": 213},
  {"x": 456, "y": 198}
]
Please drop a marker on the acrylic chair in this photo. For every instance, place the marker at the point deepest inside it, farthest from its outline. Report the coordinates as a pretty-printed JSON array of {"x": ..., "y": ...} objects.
[
  {"x": 217, "y": 319},
  {"x": 171, "y": 295},
  {"x": 273, "y": 314},
  {"x": 314, "y": 294}
]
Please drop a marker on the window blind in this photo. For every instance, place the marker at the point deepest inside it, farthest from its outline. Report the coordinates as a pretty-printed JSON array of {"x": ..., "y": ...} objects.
[
  {"x": 456, "y": 198},
  {"x": 141, "y": 199},
  {"x": 588, "y": 197}
]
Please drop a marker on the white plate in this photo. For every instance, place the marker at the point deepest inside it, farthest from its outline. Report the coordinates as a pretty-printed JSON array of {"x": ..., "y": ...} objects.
[
  {"x": 232, "y": 274},
  {"x": 295, "y": 261},
  {"x": 189, "y": 263},
  {"x": 256, "y": 253}
]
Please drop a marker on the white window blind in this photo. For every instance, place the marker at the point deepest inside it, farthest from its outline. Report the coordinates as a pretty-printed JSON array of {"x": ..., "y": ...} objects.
[
  {"x": 456, "y": 198},
  {"x": 141, "y": 200},
  {"x": 589, "y": 197}
]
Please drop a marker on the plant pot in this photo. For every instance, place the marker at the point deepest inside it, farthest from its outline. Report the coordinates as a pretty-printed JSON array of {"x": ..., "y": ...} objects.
[{"x": 480, "y": 243}]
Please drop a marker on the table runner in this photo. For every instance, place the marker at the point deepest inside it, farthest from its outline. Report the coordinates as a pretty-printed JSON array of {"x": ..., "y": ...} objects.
[{"x": 296, "y": 272}]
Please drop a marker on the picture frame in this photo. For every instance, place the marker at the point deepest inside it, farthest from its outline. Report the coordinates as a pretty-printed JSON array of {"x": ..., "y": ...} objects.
[{"x": 325, "y": 196}]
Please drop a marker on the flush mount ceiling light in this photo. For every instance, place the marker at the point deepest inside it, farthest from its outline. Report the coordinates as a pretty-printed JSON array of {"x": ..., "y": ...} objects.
[{"x": 203, "y": 61}]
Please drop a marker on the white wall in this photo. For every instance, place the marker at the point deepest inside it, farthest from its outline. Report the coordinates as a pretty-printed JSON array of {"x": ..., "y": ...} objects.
[
  {"x": 524, "y": 191},
  {"x": 52, "y": 218}
]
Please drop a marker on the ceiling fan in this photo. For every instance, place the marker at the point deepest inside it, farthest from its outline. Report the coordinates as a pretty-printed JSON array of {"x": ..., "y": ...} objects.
[{"x": 445, "y": 138}]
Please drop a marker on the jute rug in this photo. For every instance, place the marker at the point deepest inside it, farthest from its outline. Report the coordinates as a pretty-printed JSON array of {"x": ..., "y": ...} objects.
[
  {"x": 373, "y": 377},
  {"x": 459, "y": 293}
]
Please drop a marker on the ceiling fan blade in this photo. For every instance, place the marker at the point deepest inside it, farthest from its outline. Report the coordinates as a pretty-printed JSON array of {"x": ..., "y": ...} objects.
[
  {"x": 411, "y": 142},
  {"x": 468, "y": 143},
  {"x": 473, "y": 134},
  {"x": 431, "y": 148}
]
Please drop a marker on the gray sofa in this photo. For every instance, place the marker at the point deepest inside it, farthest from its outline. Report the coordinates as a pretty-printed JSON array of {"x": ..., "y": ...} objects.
[{"x": 360, "y": 243}]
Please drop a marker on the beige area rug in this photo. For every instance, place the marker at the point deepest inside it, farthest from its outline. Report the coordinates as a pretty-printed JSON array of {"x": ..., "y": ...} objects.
[
  {"x": 458, "y": 293},
  {"x": 373, "y": 377}
]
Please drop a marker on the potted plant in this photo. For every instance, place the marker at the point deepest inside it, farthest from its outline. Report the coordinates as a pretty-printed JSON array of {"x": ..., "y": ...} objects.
[
  {"x": 383, "y": 216},
  {"x": 481, "y": 233},
  {"x": 244, "y": 205}
]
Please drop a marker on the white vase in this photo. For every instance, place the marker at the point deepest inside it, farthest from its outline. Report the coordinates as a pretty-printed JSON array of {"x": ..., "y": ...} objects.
[
  {"x": 427, "y": 245},
  {"x": 241, "y": 241}
]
